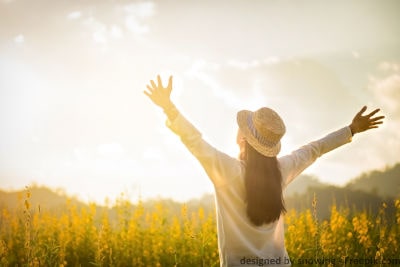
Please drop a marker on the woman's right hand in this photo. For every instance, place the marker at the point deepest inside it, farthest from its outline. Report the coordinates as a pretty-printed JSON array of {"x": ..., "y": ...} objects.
[{"x": 161, "y": 96}]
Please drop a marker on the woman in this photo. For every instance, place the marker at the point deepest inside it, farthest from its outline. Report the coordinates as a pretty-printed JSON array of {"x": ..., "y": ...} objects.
[{"x": 248, "y": 190}]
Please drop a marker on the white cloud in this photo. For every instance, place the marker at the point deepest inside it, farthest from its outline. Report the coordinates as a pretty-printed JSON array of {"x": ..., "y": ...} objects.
[
  {"x": 252, "y": 64},
  {"x": 116, "y": 32},
  {"x": 204, "y": 71},
  {"x": 243, "y": 64},
  {"x": 130, "y": 18},
  {"x": 388, "y": 91},
  {"x": 133, "y": 25},
  {"x": 19, "y": 39},
  {"x": 272, "y": 60},
  {"x": 386, "y": 88},
  {"x": 98, "y": 29},
  {"x": 389, "y": 66},
  {"x": 140, "y": 10},
  {"x": 101, "y": 33},
  {"x": 74, "y": 15},
  {"x": 100, "y": 36},
  {"x": 135, "y": 14}
]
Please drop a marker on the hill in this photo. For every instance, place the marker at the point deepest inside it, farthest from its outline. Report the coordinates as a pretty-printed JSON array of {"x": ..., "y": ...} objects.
[
  {"x": 39, "y": 196},
  {"x": 301, "y": 184},
  {"x": 353, "y": 201},
  {"x": 364, "y": 193},
  {"x": 384, "y": 183}
]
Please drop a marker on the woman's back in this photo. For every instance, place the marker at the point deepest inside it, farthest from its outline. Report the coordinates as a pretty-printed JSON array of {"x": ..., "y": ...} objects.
[{"x": 240, "y": 241}]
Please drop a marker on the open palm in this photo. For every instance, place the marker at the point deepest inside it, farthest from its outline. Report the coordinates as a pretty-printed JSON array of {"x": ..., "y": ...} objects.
[
  {"x": 161, "y": 96},
  {"x": 362, "y": 123}
]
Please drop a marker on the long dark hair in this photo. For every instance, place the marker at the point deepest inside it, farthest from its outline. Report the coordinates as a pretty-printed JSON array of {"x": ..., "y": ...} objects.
[{"x": 263, "y": 183}]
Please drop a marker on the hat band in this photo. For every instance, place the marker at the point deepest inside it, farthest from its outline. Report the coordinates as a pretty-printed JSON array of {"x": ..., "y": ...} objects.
[{"x": 259, "y": 137}]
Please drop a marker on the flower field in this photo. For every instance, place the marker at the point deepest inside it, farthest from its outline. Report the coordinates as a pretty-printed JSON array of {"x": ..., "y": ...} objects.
[{"x": 89, "y": 236}]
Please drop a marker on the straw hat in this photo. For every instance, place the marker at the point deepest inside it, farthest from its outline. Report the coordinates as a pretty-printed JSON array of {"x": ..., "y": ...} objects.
[{"x": 263, "y": 130}]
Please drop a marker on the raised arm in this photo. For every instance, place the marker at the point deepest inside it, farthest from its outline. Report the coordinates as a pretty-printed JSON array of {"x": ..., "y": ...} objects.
[
  {"x": 218, "y": 166},
  {"x": 293, "y": 164}
]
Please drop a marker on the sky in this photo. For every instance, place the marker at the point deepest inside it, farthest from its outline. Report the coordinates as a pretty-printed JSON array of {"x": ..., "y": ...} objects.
[{"x": 72, "y": 73}]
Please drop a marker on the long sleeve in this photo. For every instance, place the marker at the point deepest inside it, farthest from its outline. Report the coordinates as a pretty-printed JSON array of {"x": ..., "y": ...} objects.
[
  {"x": 292, "y": 165},
  {"x": 219, "y": 166}
]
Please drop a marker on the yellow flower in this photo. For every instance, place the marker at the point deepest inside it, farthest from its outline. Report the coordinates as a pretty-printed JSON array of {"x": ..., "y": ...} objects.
[
  {"x": 349, "y": 234},
  {"x": 27, "y": 204}
]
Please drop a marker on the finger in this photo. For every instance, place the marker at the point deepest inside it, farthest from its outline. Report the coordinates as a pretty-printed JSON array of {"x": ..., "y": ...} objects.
[
  {"x": 153, "y": 84},
  {"x": 170, "y": 84},
  {"x": 377, "y": 122},
  {"x": 364, "y": 108},
  {"x": 147, "y": 93},
  {"x": 373, "y": 113},
  {"x": 150, "y": 89},
  {"x": 377, "y": 118},
  {"x": 159, "y": 81}
]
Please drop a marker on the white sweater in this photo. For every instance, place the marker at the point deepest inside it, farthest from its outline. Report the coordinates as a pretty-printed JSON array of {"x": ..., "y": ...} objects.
[{"x": 240, "y": 243}]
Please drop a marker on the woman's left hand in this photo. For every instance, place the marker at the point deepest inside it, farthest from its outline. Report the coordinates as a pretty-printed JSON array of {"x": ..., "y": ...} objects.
[
  {"x": 362, "y": 123},
  {"x": 161, "y": 96}
]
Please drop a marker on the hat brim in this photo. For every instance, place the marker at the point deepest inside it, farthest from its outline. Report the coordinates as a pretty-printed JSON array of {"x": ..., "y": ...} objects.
[{"x": 268, "y": 151}]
